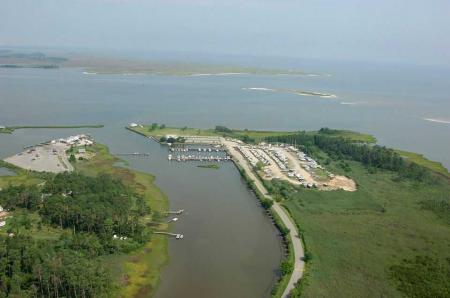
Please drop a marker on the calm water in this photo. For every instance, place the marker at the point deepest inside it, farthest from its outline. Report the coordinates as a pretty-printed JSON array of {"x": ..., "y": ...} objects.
[
  {"x": 389, "y": 102},
  {"x": 230, "y": 247},
  {"x": 6, "y": 172}
]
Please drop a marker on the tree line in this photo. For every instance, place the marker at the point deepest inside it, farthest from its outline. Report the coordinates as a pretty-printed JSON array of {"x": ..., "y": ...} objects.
[
  {"x": 89, "y": 211},
  {"x": 339, "y": 148}
]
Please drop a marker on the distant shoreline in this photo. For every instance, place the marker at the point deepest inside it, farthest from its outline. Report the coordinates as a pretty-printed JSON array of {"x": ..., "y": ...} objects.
[{"x": 11, "y": 129}]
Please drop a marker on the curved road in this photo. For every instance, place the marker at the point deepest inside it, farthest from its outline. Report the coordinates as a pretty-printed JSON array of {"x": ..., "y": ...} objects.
[{"x": 299, "y": 253}]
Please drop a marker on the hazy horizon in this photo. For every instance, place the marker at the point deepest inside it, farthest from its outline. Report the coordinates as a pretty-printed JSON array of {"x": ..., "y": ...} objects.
[{"x": 408, "y": 32}]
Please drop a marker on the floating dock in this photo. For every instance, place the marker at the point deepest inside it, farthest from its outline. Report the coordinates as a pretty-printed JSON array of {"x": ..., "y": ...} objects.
[
  {"x": 198, "y": 149},
  {"x": 208, "y": 158}
]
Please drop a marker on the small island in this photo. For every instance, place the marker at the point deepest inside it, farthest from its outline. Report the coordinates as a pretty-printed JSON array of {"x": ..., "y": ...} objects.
[{"x": 209, "y": 166}]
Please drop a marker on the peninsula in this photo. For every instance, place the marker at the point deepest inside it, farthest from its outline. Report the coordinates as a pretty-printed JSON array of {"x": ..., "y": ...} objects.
[
  {"x": 331, "y": 192},
  {"x": 72, "y": 210},
  {"x": 10, "y": 129}
]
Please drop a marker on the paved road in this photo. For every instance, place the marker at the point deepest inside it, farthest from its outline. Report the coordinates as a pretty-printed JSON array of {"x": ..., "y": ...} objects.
[{"x": 299, "y": 252}]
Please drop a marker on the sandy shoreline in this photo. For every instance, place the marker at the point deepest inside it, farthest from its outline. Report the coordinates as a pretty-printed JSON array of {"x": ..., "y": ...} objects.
[
  {"x": 293, "y": 91},
  {"x": 435, "y": 120}
]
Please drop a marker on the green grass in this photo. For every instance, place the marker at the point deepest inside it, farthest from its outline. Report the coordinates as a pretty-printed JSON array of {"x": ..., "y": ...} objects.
[
  {"x": 209, "y": 166},
  {"x": 355, "y": 237},
  {"x": 421, "y": 160},
  {"x": 21, "y": 176},
  {"x": 356, "y": 136},
  {"x": 159, "y": 132},
  {"x": 6, "y": 130},
  {"x": 256, "y": 135}
]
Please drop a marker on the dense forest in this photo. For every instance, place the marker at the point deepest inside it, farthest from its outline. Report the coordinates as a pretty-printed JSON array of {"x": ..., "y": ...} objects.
[
  {"x": 96, "y": 216},
  {"x": 340, "y": 148}
]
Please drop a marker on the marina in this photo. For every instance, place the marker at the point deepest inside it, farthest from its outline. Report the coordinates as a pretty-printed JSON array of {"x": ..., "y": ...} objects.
[
  {"x": 206, "y": 158},
  {"x": 199, "y": 149}
]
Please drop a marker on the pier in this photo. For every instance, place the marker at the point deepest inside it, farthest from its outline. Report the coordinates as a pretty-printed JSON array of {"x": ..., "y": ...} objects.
[
  {"x": 208, "y": 158},
  {"x": 177, "y": 236},
  {"x": 198, "y": 149},
  {"x": 176, "y": 212}
]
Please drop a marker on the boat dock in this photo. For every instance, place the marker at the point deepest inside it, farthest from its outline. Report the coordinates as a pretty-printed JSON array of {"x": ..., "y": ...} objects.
[
  {"x": 208, "y": 158},
  {"x": 177, "y": 236},
  {"x": 176, "y": 212},
  {"x": 198, "y": 149}
]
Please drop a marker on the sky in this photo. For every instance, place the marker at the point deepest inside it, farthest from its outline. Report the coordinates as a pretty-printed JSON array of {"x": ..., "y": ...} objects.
[{"x": 407, "y": 31}]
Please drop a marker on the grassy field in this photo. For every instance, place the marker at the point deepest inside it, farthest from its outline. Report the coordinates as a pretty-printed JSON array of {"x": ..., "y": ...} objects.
[
  {"x": 353, "y": 135},
  {"x": 21, "y": 176},
  {"x": 355, "y": 237},
  {"x": 421, "y": 160},
  {"x": 244, "y": 134},
  {"x": 159, "y": 132}
]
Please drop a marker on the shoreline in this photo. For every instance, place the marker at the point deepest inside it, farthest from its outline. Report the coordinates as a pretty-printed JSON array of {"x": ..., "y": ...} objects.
[
  {"x": 140, "y": 269},
  {"x": 286, "y": 211},
  {"x": 294, "y": 239},
  {"x": 144, "y": 276},
  {"x": 11, "y": 129},
  {"x": 282, "y": 221}
]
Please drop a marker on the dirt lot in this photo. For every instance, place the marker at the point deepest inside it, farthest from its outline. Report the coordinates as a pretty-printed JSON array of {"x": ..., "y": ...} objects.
[
  {"x": 341, "y": 182},
  {"x": 47, "y": 158},
  {"x": 273, "y": 170}
]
